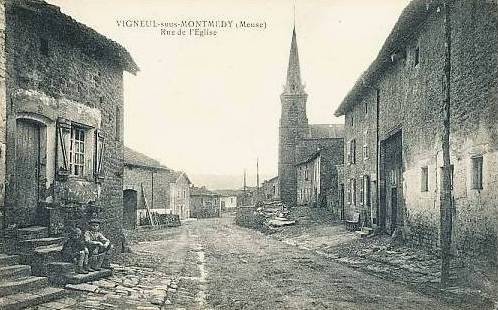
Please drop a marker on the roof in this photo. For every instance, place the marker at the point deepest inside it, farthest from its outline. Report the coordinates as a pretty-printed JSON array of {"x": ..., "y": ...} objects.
[
  {"x": 325, "y": 131},
  {"x": 179, "y": 174},
  {"x": 134, "y": 158},
  {"x": 202, "y": 191},
  {"x": 310, "y": 158},
  {"x": 412, "y": 16},
  {"x": 275, "y": 178},
  {"x": 86, "y": 36}
]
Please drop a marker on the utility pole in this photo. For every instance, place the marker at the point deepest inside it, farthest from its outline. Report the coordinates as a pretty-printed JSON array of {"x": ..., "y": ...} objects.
[
  {"x": 244, "y": 197},
  {"x": 445, "y": 195},
  {"x": 257, "y": 177}
]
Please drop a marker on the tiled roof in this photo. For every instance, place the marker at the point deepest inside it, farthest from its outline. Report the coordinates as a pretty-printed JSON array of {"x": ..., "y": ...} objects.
[
  {"x": 85, "y": 36},
  {"x": 134, "y": 158},
  {"x": 326, "y": 131}
]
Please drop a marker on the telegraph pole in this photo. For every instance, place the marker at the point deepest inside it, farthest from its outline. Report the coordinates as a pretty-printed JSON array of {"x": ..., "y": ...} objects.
[
  {"x": 257, "y": 177},
  {"x": 445, "y": 195}
]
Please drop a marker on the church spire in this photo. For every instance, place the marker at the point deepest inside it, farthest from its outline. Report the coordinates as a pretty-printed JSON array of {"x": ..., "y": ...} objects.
[{"x": 293, "y": 84}]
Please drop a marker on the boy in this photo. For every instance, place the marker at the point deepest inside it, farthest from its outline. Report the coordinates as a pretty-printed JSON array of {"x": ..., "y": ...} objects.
[
  {"x": 98, "y": 245},
  {"x": 75, "y": 251}
]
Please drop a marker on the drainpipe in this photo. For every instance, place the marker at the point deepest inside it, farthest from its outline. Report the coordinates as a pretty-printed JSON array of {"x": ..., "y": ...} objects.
[
  {"x": 377, "y": 158},
  {"x": 445, "y": 194}
]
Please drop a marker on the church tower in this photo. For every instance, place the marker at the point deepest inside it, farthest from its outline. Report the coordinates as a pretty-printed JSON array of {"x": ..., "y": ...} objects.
[{"x": 293, "y": 127}]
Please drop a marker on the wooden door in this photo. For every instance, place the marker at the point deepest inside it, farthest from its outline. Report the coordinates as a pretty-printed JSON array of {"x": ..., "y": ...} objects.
[
  {"x": 129, "y": 209},
  {"x": 27, "y": 172}
]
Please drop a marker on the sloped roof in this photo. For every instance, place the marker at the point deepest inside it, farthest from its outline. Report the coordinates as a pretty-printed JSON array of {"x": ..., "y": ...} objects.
[
  {"x": 134, "y": 158},
  {"x": 178, "y": 174},
  {"x": 326, "y": 131},
  {"x": 88, "y": 38},
  {"x": 414, "y": 14},
  {"x": 202, "y": 191},
  {"x": 309, "y": 158}
]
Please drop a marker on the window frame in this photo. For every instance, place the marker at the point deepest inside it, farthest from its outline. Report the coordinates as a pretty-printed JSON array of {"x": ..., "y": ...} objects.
[
  {"x": 477, "y": 162},
  {"x": 424, "y": 179},
  {"x": 78, "y": 142}
]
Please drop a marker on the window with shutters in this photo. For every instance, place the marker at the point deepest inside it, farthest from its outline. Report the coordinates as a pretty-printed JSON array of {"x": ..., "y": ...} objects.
[
  {"x": 77, "y": 151},
  {"x": 477, "y": 165},
  {"x": 352, "y": 150},
  {"x": 80, "y": 151}
]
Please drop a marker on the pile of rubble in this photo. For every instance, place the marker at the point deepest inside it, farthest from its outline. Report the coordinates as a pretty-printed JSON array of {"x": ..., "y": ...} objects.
[{"x": 275, "y": 215}]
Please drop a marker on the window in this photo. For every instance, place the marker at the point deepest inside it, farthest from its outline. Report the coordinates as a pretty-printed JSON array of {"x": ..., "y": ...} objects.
[
  {"x": 352, "y": 119},
  {"x": 477, "y": 163},
  {"x": 417, "y": 56},
  {"x": 424, "y": 179},
  {"x": 352, "y": 150},
  {"x": 365, "y": 151},
  {"x": 44, "y": 47},
  {"x": 306, "y": 174},
  {"x": 77, "y": 151},
  {"x": 352, "y": 198},
  {"x": 366, "y": 107}
]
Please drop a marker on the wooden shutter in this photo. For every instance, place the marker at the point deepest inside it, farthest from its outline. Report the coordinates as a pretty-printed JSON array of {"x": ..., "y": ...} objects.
[
  {"x": 63, "y": 144},
  {"x": 348, "y": 153},
  {"x": 99, "y": 155}
]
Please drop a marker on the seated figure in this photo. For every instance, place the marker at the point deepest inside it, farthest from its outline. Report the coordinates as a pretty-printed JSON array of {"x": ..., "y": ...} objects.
[
  {"x": 99, "y": 247},
  {"x": 74, "y": 251}
]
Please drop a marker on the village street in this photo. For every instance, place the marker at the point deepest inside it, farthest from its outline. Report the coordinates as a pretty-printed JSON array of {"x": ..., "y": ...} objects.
[{"x": 214, "y": 264}]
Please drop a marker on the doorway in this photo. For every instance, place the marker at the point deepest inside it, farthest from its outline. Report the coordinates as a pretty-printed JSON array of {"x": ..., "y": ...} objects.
[
  {"x": 27, "y": 169},
  {"x": 129, "y": 209},
  {"x": 391, "y": 182}
]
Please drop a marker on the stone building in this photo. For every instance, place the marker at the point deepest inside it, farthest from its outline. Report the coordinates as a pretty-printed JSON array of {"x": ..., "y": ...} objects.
[
  {"x": 270, "y": 189},
  {"x": 317, "y": 177},
  {"x": 61, "y": 142},
  {"x": 204, "y": 203},
  {"x": 297, "y": 139},
  {"x": 394, "y": 128},
  {"x": 147, "y": 181},
  {"x": 62, "y": 129}
]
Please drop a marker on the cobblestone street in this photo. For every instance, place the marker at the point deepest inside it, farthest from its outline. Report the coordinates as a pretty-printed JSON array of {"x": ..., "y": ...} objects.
[{"x": 213, "y": 264}]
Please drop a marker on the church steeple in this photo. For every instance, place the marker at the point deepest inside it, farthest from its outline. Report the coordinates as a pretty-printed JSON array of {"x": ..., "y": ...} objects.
[{"x": 293, "y": 84}]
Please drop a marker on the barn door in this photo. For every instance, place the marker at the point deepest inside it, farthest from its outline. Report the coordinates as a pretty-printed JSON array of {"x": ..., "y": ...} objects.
[{"x": 27, "y": 171}]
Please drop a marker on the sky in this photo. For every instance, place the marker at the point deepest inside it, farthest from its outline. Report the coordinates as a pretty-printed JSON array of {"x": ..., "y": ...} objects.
[{"x": 211, "y": 104}]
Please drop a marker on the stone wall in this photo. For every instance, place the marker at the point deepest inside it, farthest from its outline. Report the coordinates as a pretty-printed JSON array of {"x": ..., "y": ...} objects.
[
  {"x": 410, "y": 102},
  {"x": 47, "y": 59}
]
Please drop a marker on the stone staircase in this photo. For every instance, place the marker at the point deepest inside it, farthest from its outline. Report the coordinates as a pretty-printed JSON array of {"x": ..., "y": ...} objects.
[
  {"x": 19, "y": 288},
  {"x": 365, "y": 232},
  {"x": 44, "y": 255}
]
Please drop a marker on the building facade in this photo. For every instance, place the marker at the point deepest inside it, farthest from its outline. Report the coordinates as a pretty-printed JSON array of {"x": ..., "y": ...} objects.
[
  {"x": 146, "y": 181},
  {"x": 270, "y": 189},
  {"x": 204, "y": 203},
  {"x": 61, "y": 134},
  {"x": 297, "y": 139},
  {"x": 317, "y": 177},
  {"x": 394, "y": 128}
]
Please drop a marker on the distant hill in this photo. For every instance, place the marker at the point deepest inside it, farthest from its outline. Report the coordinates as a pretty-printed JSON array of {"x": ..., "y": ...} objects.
[{"x": 219, "y": 181}]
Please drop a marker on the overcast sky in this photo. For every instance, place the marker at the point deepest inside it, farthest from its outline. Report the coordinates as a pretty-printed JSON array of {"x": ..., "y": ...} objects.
[{"x": 211, "y": 105}]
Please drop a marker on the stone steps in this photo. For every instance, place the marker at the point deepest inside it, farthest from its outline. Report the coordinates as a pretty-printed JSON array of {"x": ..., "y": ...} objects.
[
  {"x": 18, "y": 289},
  {"x": 27, "y": 284},
  {"x": 14, "y": 271},
  {"x": 33, "y": 232},
  {"x": 31, "y": 244},
  {"x": 6, "y": 260},
  {"x": 33, "y": 298}
]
